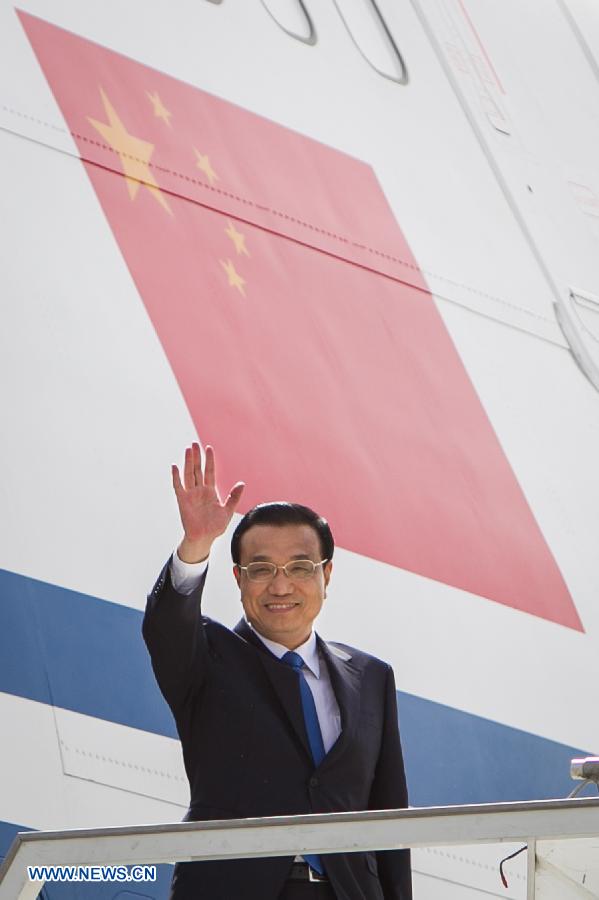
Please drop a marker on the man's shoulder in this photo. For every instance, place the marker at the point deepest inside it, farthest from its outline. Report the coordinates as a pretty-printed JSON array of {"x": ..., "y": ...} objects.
[
  {"x": 220, "y": 632},
  {"x": 358, "y": 657}
]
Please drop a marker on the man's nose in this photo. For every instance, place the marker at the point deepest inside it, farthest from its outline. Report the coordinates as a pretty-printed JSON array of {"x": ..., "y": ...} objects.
[{"x": 281, "y": 585}]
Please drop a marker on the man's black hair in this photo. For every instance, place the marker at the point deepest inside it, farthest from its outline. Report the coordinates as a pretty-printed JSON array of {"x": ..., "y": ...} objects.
[{"x": 283, "y": 513}]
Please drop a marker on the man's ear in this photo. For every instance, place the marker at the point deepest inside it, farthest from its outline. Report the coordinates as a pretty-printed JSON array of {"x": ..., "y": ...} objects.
[
  {"x": 326, "y": 571},
  {"x": 237, "y": 574}
]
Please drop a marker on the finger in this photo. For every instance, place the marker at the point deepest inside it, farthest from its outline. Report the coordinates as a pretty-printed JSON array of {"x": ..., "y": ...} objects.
[
  {"x": 196, "y": 457},
  {"x": 210, "y": 467},
  {"x": 232, "y": 501},
  {"x": 178, "y": 487},
  {"x": 188, "y": 479}
]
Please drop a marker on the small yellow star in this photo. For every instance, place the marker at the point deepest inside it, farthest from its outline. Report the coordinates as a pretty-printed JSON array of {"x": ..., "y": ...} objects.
[
  {"x": 238, "y": 239},
  {"x": 160, "y": 110},
  {"x": 134, "y": 153},
  {"x": 203, "y": 163},
  {"x": 235, "y": 279}
]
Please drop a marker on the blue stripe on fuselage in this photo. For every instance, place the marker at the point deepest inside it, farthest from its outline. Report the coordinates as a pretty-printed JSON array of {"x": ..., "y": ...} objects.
[{"x": 77, "y": 652}]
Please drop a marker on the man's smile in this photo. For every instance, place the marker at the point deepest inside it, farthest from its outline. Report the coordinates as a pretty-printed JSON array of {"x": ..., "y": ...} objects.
[{"x": 281, "y": 605}]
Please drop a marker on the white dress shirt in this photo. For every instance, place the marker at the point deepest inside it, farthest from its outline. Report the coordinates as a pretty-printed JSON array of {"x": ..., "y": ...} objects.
[{"x": 185, "y": 578}]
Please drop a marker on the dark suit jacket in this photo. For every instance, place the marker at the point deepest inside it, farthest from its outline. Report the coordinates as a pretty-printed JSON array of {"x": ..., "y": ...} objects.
[{"x": 239, "y": 716}]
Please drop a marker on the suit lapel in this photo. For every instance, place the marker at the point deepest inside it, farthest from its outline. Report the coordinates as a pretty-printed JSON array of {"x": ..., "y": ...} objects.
[
  {"x": 345, "y": 680},
  {"x": 283, "y": 680}
]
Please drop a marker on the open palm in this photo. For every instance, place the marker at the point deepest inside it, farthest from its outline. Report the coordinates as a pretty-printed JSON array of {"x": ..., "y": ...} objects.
[{"x": 203, "y": 515}]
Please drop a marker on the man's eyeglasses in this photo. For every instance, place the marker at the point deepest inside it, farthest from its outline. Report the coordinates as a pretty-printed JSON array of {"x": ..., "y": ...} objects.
[{"x": 296, "y": 569}]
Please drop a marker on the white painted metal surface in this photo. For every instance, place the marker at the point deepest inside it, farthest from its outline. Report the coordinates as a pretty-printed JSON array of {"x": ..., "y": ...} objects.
[{"x": 567, "y": 870}]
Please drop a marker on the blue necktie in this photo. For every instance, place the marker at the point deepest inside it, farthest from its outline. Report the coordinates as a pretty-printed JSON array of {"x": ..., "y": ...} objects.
[{"x": 312, "y": 727}]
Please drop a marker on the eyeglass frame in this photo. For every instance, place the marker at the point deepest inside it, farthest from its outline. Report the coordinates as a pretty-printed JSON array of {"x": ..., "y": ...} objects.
[{"x": 283, "y": 568}]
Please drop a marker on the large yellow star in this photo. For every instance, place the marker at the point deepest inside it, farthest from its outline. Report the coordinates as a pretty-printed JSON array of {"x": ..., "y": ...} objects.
[
  {"x": 238, "y": 239},
  {"x": 235, "y": 279},
  {"x": 203, "y": 163},
  {"x": 160, "y": 110},
  {"x": 134, "y": 153}
]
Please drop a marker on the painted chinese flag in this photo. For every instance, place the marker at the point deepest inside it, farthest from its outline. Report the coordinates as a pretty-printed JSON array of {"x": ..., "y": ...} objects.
[{"x": 299, "y": 327}]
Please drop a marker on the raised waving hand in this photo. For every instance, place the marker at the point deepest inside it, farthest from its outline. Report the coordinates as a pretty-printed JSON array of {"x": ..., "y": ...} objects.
[{"x": 203, "y": 515}]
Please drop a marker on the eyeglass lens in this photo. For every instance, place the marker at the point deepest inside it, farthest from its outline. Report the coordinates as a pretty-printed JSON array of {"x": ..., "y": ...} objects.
[{"x": 298, "y": 569}]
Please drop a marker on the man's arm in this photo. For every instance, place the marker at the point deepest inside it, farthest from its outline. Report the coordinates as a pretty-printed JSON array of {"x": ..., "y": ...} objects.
[
  {"x": 389, "y": 791},
  {"x": 173, "y": 627},
  {"x": 186, "y": 577},
  {"x": 174, "y": 634}
]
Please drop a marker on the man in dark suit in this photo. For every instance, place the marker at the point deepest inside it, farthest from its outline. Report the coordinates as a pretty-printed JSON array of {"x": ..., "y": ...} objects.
[{"x": 272, "y": 719}]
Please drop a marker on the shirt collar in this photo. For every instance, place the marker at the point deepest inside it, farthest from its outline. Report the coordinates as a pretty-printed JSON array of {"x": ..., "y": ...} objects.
[{"x": 308, "y": 651}]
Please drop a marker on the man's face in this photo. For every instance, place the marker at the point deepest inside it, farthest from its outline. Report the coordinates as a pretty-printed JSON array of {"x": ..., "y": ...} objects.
[{"x": 282, "y": 610}]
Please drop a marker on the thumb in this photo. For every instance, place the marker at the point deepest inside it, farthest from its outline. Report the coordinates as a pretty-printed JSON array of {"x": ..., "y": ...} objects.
[{"x": 234, "y": 497}]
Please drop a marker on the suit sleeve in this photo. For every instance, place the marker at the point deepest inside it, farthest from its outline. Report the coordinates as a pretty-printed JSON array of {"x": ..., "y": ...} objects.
[
  {"x": 389, "y": 791},
  {"x": 173, "y": 629}
]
